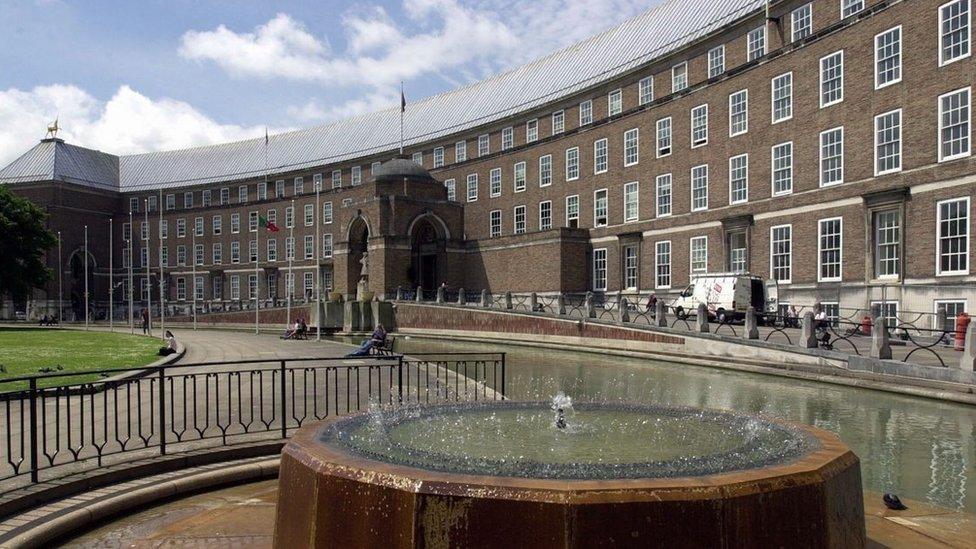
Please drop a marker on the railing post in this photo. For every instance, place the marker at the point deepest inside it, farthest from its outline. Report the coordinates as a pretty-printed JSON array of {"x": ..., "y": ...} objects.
[
  {"x": 968, "y": 361},
  {"x": 533, "y": 302},
  {"x": 400, "y": 379},
  {"x": 589, "y": 311},
  {"x": 461, "y": 300},
  {"x": 284, "y": 406},
  {"x": 440, "y": 295},
  {"x": 624, "y": 312},
  {"x": 485, "y": 301},
  {"x": 420, "y": 294},
  {"x": 33, "y": 429},
  {"x": 701, "y": 317},
  {"x": 162, "y": 411},
  {"x": 660, "y": 319},
  {"x": 508, "y": 300},
  {"x": 752, "y": 328},
  {"x": 880, "y": 348},
  {"x": 560, "y": 305},
  {"x": 808, "y": 336},
  {"x": 503, "y": 374},
  {"x": 399, "y": 294}
]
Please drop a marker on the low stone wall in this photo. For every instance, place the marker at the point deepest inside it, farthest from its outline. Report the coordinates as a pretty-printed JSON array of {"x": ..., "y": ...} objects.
[{"x": 276, "y": 316}]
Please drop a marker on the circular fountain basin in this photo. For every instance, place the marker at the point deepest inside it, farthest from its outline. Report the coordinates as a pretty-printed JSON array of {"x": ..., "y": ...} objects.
[{"x": 503, "y": 474}]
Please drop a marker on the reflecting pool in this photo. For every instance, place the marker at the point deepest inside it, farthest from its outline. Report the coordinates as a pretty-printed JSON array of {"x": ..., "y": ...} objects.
[{"x": 918, "y": 448}]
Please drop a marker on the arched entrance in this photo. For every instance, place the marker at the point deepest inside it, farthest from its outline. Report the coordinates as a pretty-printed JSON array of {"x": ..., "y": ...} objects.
[
  {"x": 427, "y": 242},
  {"x": 358, "y": 245}
]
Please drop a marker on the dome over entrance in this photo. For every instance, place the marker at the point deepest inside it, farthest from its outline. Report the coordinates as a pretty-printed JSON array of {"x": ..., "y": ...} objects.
[{"x": 401, "y": 168}]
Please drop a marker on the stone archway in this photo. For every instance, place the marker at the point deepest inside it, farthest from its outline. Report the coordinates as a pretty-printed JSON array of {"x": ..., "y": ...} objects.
[
  {"x": 428, "y": 238},
  {"x": 358, "y": 238}
]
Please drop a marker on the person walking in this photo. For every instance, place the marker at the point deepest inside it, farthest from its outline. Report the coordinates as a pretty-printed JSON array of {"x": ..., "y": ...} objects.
[{"x": 145, "y": 322}]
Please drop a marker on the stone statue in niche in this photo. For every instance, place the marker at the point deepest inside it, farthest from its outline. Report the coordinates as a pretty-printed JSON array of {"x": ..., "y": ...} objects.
[{"x": 364, "y": 267}]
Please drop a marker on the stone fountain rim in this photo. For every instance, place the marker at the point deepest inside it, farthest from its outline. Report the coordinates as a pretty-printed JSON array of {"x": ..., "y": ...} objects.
[{"x": 831, "y": 457}]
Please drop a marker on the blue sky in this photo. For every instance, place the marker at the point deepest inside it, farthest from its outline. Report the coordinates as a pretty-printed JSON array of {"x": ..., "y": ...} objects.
[{"x": 136, "y": 76}]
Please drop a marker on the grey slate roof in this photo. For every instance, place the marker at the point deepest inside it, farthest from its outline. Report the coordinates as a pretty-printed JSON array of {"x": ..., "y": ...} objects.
[
  {"x": 53, "y": 159},
  {"x": 634, "y": 42}
]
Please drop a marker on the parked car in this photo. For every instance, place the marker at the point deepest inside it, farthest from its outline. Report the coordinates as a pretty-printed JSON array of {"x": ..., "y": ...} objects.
[
  {"x": 20, "y": 315},
  {"x": 727, "y": 295}
]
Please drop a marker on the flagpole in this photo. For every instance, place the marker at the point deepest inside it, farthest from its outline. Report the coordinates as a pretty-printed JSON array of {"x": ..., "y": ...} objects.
[
  {"x": 193, "y": 276},
  {"x": 403, "y": 108},
  {"x": 162, "y": 293},
  {"x": 257, "y": 242},
  {"x": 86, "y": 277},
  {"x": 148, "y": 274},
  {"x": 111, "y": 276},
  {"x": 291, "y": 257},
  {"x": 132, "y": 325},
  {"x": 60, "y": 287},
  {"x": 318, "y": 266}
]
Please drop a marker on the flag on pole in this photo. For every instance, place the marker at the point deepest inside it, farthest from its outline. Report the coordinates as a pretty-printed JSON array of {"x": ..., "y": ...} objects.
[
  {"x": 263, "y": 222},
  {"x": 265, "y": 137},
  {"x": 403, "y": 99}
]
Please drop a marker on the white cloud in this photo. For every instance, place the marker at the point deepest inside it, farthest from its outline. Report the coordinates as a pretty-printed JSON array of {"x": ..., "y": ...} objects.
[{"x": 127, "y": 123}]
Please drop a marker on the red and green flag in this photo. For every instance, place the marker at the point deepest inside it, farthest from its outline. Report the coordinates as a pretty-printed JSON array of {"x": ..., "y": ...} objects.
[{"x": 263, "y": 221}]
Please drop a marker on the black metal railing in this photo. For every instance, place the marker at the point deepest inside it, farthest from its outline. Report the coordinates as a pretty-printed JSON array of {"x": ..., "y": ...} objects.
[{"x": 71, "y": 427}]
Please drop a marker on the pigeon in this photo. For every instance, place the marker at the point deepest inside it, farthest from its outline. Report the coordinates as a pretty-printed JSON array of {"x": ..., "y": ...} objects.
[{"x": 891, "y": 501}]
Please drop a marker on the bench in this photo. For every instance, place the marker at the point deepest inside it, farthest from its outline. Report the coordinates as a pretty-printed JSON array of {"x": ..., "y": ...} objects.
[{"x": 386, "y": 349}]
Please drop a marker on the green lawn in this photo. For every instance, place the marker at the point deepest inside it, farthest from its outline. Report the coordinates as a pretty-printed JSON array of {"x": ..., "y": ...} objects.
[{"x": 26, "y": 351}]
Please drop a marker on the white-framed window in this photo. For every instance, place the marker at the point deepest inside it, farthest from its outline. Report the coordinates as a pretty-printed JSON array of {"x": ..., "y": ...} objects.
[
  {"x": 716, "y": 61},
  {"x": 954, "y": 125},
  {"x": 252, "y": 286},
  {"x": 170, "y": 202},
  {"x": 662, "y": 264},
  {"x": 289, "y": 217},
  {"x": 887, "y": 58},
  {"x": 954, "y": 31},
  {"x": 782, "y": 97},
  {"x": 235, "y": 252},
  {"x": 484, "y": 145},
  {"x": 631, "y": 150},
  {"x": 272, "y": 249},
  {"x": 181, "y": 255},
  {"x": 832, "y": 157},
  {"x": 472, "y": 186},
  {"x": 279, "y": 191},
  {"x": 887, "y": 142},
  {"x": 600, "y": 154},
  {"x": 781, "y": 253},
  {"x": 508, "y": 138},
  {"x": 418, "y": 158},
  {"x": 336, "y": 179},
  {"x": 802, "y": 22},
  {"x": 518, "y": 216},
  {"x": 662, "y": 184},
  {"x": 518, "y": 177},
  {"x": 327, "y": 245},
  {"x": 289, "y": 248},
  {"x": 664, "y": 137},
  {"x": 572, "y": 211},
  {"x": 235, "y": 223},
  {"x": 739, "y": 179},
  {"x": 586, "y": 112},
  {"x": 187, "y": 201},
  {"x": 309, "y": 215},
  {"x": 756, "y": 43},
  {"x": 180, "y": 227},
  {"x": 242, "y": 194},
  {"x": 782, "y": 168},
  {"x": 460, "y": 151},
  {"x": 645, "y": 90},
  {"x": 631, "y": 267},
  {"x": 953, "y": 237},
  {"x": 356, "y": 175},
  {"x": 198, "y": 287},
  {"x": 698, "y": 255},
  {"x": 181, "y": 289},
  {"x": 197, "y": 227},
  {"x": 217, "y": 253},
  {"x": 545, "y": 215},
  {"x": 451, "y": 187},
  {"x": 151, "y": 202},
  {"x": 888, "y": 311},
  {"x": 832, "y": 79},
  {"x": 601, "y": 208},
  {"x": 317, "y": 182},
  {"x": 309, "y": 246},
  {"x": 600, "y": 270},
  {"x": 198, "y": 254},
  {"x": 572, "y": 164},
  {"x": 235, "y": 287},
  {"x": 830, "y": 245},
  {"x": 164, "y": 228},
  {"x": 738, "y": 113},
  {"x": 217, "y": 225},
  {"x": 327, "y": 215},
  {"x": 679, "y": 77},
  {"x": 615, "y": 102},
  {"x": 144, "y": 228},
  {"x": 699, "y": 188},
  {"x": 164, "y": 255},
  {"x": 631, "y": 204},
  {"x": 495, "y": 223},
  {"x": 262, "y": 191},
  {"x": 850, "y": 7},
  {"x": 532, "y": 130},
  {"x": 495, "y": 182},
  {"x": 558, "y": 122},
  {"x": 299, "y": 187},
  {"x": 953, "y": 308},
  {"x": 545, "y": 170},
  {"x": 699, "y": 126},
  {"x": 438, "y": 159},
  {"x": 887, "y": 244}
]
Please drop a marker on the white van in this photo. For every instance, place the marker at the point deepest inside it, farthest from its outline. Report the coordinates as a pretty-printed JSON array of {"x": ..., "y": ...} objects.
[{"x": 726, "y": 295}]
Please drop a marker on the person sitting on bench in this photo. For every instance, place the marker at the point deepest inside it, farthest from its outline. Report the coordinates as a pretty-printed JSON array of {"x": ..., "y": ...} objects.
[
  {"x": 378, "y": 338},
  {"x": 292, "y": 332}
]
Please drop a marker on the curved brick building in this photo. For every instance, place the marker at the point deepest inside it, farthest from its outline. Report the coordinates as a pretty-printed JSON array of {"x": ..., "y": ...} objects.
[{"x": 825, "y": 144}]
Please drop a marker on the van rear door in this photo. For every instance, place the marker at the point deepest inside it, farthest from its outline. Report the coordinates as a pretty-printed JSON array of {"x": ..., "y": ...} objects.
[{"x": 772, "y": 297}]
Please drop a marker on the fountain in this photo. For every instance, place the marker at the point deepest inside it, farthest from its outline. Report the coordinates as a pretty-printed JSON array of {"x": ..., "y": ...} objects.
[{"x": 562, "y": 474}]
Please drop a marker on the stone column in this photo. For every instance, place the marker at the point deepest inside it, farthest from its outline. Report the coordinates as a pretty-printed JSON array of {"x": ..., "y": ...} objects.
[
  {"x": 701, "y": 317},
  {"x": 560, "y": 305},
  {"x": 808, "y": 336},
  {"x": 660, "y": 316},
  {"x": 508, "y": 300},
  {"x": 752, "y": 327},
  {"x": 420, "y": 294},
  {"x": 879, "y": 338},
  {"x": 461, "y": 300},
  {"x": 968, "y": 361},
  {"x": 440, "y": 295},
  {"x": 624, "y": 312},
  {"x": 533, "y": 302},
  {"x": 588, "y": 310},
  {"x": 485, "y": 299}
]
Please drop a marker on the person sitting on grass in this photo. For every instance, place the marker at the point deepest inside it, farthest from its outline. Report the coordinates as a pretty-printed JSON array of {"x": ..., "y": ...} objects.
[
  {"x": 377, "y": 338},
  {"x": 170, "y": 346}
]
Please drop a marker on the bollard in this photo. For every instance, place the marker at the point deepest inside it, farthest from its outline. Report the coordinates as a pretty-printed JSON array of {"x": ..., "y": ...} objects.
[
  {"x": 808, "y": 337},
  {"x": 624, "y": 312},
  {"x": 485, "y": 298},
  {"x": 508, "y": 300},
  {"x": 659, "y": 314},
  {"x": 533, "y": 302},
  {"x": 440, "y": 295},
  {"x": 701, "y": 317},
  {"x": 968, "y": 361},
  {"x": 752, "y": 327},
  {"x": 420, "y": 294},
  {"x": 399, "y": 294},
  {"x": 560, "y": 305},
  {"x": 879, "y": 339},
  {"x": 461, "y": 300},
  {"x": 588, "y": 310}
]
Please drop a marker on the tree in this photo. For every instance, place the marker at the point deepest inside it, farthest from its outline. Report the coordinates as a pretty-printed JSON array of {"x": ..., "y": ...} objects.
[{"x": 23, "y": 242}]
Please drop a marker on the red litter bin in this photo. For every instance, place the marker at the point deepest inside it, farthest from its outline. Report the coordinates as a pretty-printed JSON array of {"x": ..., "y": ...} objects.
[
  {"x": 962, "y": 324},
  {"x": 866, "y": 325}
]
